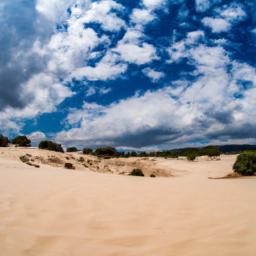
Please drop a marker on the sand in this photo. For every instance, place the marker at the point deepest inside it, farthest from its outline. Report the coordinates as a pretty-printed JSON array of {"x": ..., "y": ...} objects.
[{"x": 51, "y": 211}]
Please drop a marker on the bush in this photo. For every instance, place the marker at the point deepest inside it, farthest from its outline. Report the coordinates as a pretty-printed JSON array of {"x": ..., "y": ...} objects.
[
  {"x": 50, "y": 145},
  {"x": 246, "y": 163},
  {"x": 87, "y": 151},
  {"x": 191, "y": 157},
  {"x": 137, "y": 172},
  {"x": 106, "y": 151},
  {"x": 69, "y": 166},
  {"x": 22, "y": 141},
  {"x": 72, "y": 149},
  {"x": 3, "y": 141}
]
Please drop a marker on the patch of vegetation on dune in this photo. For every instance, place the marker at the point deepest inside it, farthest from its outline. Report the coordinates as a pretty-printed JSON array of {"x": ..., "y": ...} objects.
[{"x": 137, "y": 172}]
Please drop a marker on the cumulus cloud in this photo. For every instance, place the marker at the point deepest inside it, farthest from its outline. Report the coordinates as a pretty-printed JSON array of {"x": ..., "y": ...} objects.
[
  {"x": 36, "y": 137},
  {"x": 133, "y": 49},
  {"x": 73, "y": 43},
  {"x": 153, "y": 4},
  {"x": 53, "y": 10},
  {"x": 141, "y": 16},
  {"x": 217, "y": 25},
  {"x": 226, "y": 16},
  {"x": 213, "y": 107}
]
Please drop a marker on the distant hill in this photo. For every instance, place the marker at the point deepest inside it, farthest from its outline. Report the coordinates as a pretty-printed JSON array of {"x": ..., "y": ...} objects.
[
  {"x": 224, "y": 149},
  {"x": 235, "y": 149}
]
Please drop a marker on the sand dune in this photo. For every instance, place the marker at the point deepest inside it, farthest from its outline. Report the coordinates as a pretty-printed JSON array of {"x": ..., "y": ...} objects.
[{"x": 51, "y": 211}]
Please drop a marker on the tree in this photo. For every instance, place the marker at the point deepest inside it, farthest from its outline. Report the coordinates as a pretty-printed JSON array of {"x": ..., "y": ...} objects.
[
  {"x": 21, "y": 141},
  {"x": 50, "y": 145},
  {"x": 72, "y": 149},
  {"x": 4, "y": 141}
]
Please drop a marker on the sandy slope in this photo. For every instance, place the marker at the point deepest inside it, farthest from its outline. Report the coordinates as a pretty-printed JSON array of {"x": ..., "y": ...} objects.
[{"x": 55, "y": 212}]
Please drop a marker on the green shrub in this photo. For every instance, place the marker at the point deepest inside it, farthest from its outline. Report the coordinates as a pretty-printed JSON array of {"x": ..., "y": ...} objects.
[
  {"x": 72, "y": 149},
  {"x": 106, "y": 151},
  {"x": 137, "y": 172},
  {"x": 3, "y": 141},
  {"x": 21, "y": 141},
  {"x": 87, "y": 151},
  {"x": 246, "y": 163},
  {"x": 191, "y": 157},
  {"x": 50, "y": 145}
]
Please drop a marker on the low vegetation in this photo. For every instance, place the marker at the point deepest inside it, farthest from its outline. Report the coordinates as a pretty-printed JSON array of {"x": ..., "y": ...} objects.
[
  {"x": 50, "y": 145},
  {"x": 4, "y": 141},
  {"x": 26, "y": 159},
  {"x": 69, "y": 166},
  {"x": 246, "y": 163},
  {"x": 72, "y": 149},
  {"x": 137, "y": 172},
  {"x": 21, "y": 141},
  {"x": 87, "y": 151}
]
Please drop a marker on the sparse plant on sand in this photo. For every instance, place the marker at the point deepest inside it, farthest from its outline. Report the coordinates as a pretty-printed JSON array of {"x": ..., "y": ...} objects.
[
  {"x": 137, "y": 172},
  {"x": 69, "y": 166}
]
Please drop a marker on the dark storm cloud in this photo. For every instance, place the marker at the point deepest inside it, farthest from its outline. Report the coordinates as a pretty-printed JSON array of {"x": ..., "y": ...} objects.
[{"x": 18, "y": 31}]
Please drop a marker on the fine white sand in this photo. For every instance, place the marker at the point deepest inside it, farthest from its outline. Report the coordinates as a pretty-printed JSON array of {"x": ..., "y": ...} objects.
[{"x": 51, "y": 211}]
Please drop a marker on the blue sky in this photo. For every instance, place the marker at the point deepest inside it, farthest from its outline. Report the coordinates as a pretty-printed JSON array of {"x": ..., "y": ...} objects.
[{"x": 148, "y": 74}]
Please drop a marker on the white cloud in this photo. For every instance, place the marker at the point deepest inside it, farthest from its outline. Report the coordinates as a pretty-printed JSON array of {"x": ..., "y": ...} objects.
[
  {"x": 37, "y": 136},
  {"x": 43, "y": 93},
  {"x": 139, "y": 55},
  {"x": 232, "y": 12},
  {"x": 102, "y": 12},
  {"x": 185, "y": 111},
  {"x": 53, "y": 10},
  {"x": 154, "y": 75},
  {"x": 133, "y": 49},
  {"x": 141, "y": 16},
  {"x": 217, "y": 25},
  {"x": 153, "y": 4},
  {"x": 106, "y": 69}
]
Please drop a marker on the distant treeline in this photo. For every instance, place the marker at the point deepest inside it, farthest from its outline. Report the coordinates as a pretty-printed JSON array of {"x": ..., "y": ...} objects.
[{"x": 191, "y": 153}]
